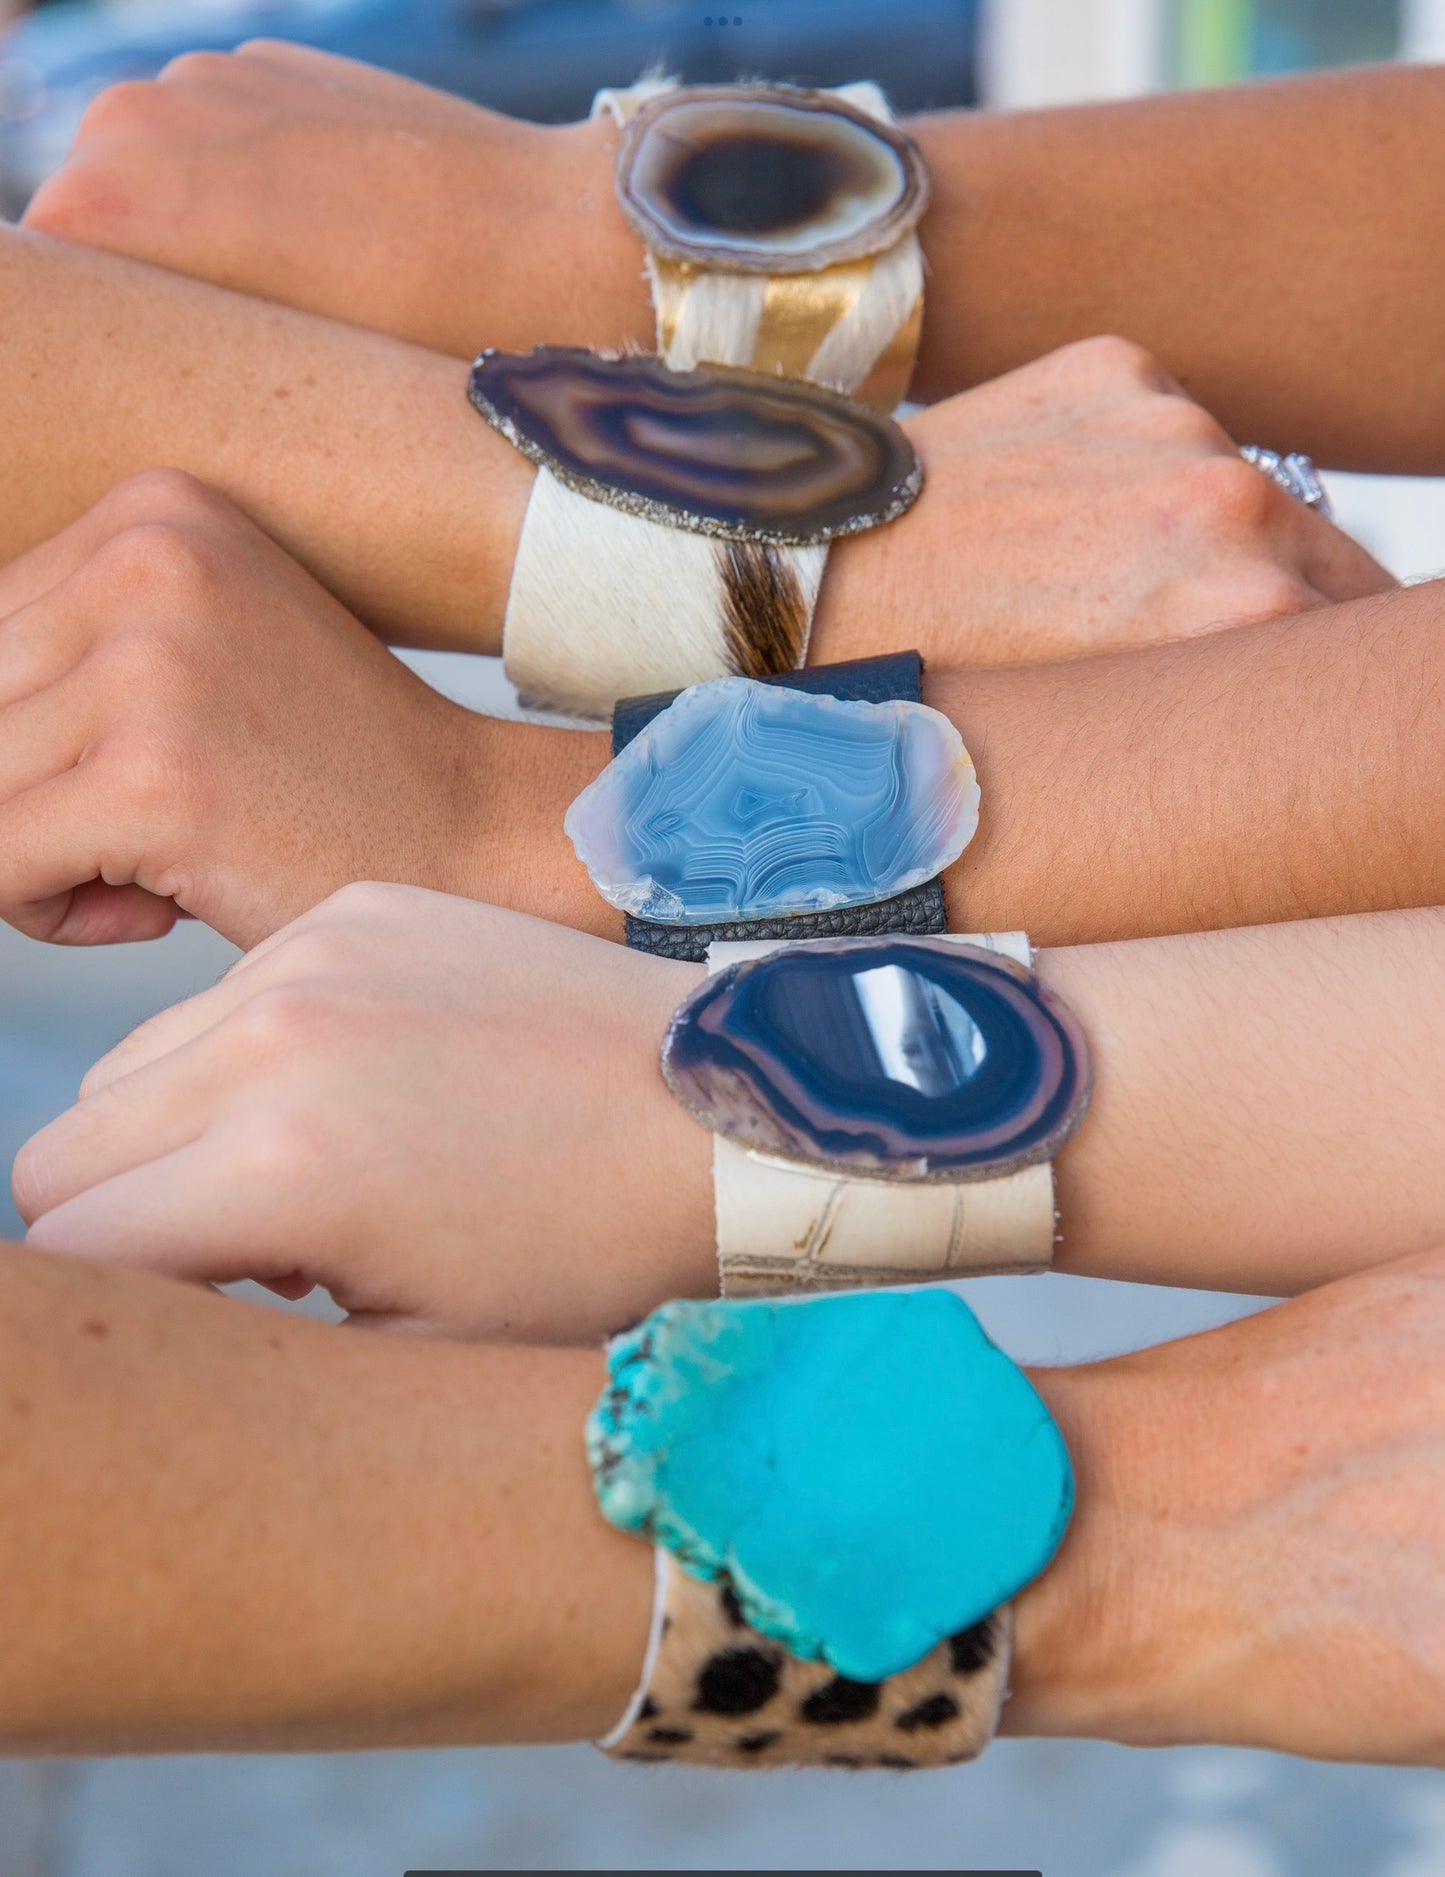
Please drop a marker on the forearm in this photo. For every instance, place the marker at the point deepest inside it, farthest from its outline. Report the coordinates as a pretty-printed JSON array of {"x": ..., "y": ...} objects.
[
  {"x": 1263, "y": 1116},
  {"x": 1272, "y": 244},
  {"x": 359, "y": 454},
  {"x": 227, "y": 1529},
  {"x": 1277, "y": 772}
]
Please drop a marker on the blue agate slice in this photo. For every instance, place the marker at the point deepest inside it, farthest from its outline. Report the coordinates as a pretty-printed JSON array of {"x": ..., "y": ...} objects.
[
  {"x": 895, "y": 1058},
  {"x": 869, "y": 1472},
  {"x": 754, "y": 801}
]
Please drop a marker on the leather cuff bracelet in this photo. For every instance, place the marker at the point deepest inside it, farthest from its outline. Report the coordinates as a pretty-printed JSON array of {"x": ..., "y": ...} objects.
[
  {"x": 820, "y": 803},
  {"x": 885, "y": 1110},
  {"x": 779, "y": 227},
  {"x": 679, "y": 522},
  {"x": 757, "y": 1446}
]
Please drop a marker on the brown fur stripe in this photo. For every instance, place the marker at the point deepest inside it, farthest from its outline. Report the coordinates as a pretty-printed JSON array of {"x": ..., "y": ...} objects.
[{"x": 765, "y": 613}]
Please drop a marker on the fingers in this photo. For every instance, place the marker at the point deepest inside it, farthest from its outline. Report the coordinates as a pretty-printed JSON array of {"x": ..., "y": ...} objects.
[
  {"x": 193, "y": 1214},
  {"x": 63, "y": 877},
  {"x": 149, "y": 1114},
  {"x": 1334, "y": 561},
  {"x": 168, "y": 1032}
]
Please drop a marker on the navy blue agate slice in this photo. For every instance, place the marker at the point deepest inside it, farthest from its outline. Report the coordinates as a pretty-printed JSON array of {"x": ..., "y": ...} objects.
[{"x": 913, "y": 1059}]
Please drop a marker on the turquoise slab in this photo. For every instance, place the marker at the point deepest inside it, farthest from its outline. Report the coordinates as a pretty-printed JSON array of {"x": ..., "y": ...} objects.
[
  {"x": 754, "y": 801},
  {"x": 869, "y": 1471}
]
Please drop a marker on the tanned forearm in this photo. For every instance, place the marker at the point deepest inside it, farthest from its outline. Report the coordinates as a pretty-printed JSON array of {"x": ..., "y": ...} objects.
[
  {"x": 1273, "y": 244},
  {"x": 224, "y": 1529},
  {"x": 358, "y": 453}
]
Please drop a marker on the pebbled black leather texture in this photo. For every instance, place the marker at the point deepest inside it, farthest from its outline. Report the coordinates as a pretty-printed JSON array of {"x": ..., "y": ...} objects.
[{"x": 918, "y": 912}]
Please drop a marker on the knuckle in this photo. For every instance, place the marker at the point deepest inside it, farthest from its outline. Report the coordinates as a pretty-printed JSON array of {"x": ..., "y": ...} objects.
[
  {"x": 281, "y": 1148},
  {"x": 1232, "y": 494},
  {"x": 1118, "y": 361},
  {"x": 159, "y": 561},
  {"x": 160, "y": 494},
  {"x": 362, "y": 900},
  {"x": 285, "y": 1019},
  {"x": 1169, "y": 418},
  {"x": 118, "y": 110},
  {"x": 1271, "y": 592},
  {"x": 196, "y": 68}
]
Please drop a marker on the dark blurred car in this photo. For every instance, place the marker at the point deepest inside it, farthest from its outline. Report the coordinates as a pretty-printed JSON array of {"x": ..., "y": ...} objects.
[{"x": 541, "y": 59}]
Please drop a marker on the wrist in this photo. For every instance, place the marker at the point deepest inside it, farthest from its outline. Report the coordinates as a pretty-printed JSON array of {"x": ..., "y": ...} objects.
[
  {"x": 1100, "y": 1637},
  {"x": 509, "y": 787},
  {"x": 581, "y": 280}
]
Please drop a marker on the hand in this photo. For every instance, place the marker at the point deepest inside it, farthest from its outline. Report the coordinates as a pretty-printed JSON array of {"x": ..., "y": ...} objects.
[
  {"x": 450, "y": 1116},
  {"x": 1259, "y": 1549},
  {"x": 330, "y": 186},
  {"x": 188, "y": 722},
  {"x": 1079, "y": 504}
]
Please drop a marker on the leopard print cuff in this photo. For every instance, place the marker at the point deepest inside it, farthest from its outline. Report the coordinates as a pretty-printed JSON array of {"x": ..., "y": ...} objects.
[{"x": 717, "y": 1693}]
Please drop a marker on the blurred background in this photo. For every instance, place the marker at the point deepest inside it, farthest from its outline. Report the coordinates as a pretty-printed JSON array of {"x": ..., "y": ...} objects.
[{"x": 1074, "y": 1810}]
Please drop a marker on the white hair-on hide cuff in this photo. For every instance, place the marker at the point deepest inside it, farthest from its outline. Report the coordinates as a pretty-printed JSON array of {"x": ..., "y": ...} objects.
[{"x": 606, "y": 605}]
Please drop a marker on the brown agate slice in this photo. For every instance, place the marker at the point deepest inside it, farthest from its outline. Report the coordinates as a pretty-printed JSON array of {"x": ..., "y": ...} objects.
[
  {"x": 716, "y": 450},
  {"x": 764, "y": 179}
]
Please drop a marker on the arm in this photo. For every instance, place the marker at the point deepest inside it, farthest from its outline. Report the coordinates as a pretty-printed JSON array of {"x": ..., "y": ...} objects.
[
  {"x": 225, "y": 1530},
  {"x": 157, "y": 634},
  {"x": 1270, "y": 243},
  {"x": 1263, "y": 1119},
  {"x": 1086, "y": 503}
]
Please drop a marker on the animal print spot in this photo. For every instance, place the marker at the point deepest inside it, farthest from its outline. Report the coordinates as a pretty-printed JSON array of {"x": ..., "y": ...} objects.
[
  {"x": 932, "y": 1712},
  {"x": 670, "y": 1736},
  {"x": 736, "y": 1681},
  {"x": 896, "y": 1762},
  {"x": 731, "y": 1608},
  {"x": 757, "y": 1743},
  {"x": 841, "y": 1759},
  {"x": 972, "y": 1649},
  {"x": 841, "y": 1700},
  {"x": 649, "y": 1710}
]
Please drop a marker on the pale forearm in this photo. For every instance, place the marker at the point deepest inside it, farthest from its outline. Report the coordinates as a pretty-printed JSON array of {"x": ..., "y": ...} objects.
[
  {"x": 224, "y": 1529},
  {"x": 1263, "y": 1115}
]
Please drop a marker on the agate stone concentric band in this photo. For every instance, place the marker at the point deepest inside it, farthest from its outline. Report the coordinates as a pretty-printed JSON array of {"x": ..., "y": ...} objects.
[
  {"x": 902, "y": 1059},
  {"x": 766, "y": 179},
  {"x": 716, "y": 450}
]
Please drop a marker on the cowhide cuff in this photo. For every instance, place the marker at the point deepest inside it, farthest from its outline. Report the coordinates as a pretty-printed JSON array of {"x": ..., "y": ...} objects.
[
  {"x": 715, "y": 1692},
  {"x": 854, "y": 326}
]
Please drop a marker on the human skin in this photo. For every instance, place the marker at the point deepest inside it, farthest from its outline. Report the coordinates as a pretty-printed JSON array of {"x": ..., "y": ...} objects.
[
  {"x": 1272, "y": 288},
  {"x": 453, "y": 1118},
  {"x": 222, "y": 1529},
  {"x": 188, "y": 722},
  {"x": 1084, "y": 503}
]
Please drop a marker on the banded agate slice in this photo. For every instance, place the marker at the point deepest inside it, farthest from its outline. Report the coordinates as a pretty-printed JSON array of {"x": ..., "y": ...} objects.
[
  {"x": 766, "y": 179},
  {"x": 899, "y": 1058},
  {"x": 768, "y": 1441},
  {"x": 716, "y": 450},
  {"x": 753, "y": 801}
]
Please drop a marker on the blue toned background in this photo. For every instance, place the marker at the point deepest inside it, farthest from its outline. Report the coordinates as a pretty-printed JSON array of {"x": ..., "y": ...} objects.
[{"x": 1074, "y": 1810}]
